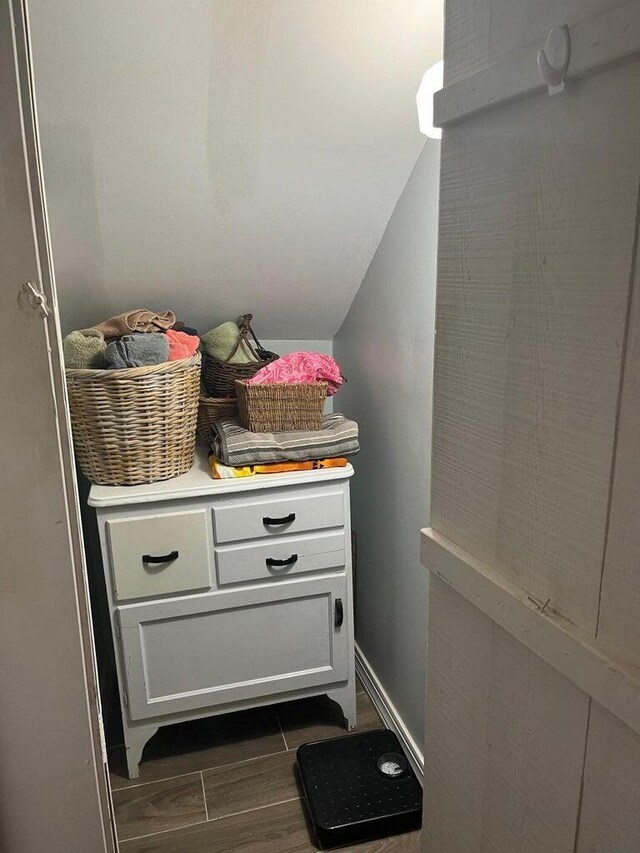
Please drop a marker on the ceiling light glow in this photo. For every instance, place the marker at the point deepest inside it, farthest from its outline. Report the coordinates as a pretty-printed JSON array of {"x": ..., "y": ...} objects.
[{"x": 432, "y": 82}]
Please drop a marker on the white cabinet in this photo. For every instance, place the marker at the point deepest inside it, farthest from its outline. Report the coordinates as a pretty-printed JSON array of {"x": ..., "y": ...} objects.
[{"x": 227, "y": 594}]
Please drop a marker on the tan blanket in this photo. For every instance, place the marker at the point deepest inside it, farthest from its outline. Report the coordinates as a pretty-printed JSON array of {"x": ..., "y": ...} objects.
[{"x": 138, "y": 320}]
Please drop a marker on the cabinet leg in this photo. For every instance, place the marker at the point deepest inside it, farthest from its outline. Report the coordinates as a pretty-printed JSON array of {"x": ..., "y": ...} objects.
[
  {"x": 346, "y": 698},
  {"x": 135, "y": 742}
]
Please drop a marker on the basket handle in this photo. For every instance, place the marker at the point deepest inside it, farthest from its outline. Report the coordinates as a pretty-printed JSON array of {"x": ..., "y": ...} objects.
[{"x": 245, "y": 330}]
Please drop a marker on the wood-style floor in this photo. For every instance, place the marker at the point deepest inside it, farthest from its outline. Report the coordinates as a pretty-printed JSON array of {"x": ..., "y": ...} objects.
[{"x": 227, "y": 784}]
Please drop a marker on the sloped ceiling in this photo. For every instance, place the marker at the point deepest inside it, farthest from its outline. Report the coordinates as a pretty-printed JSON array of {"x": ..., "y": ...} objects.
[{"x": 221, "y": 156}]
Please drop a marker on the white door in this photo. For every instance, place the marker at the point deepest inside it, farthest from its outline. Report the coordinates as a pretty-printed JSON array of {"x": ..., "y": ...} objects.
[{"x": 54, "y": 791}]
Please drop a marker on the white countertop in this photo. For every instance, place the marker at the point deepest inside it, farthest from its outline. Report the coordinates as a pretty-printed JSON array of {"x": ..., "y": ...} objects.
[{"x": 199, "y": 482}]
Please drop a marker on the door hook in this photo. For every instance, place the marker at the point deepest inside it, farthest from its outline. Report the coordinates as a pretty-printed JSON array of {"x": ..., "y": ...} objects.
[
  {"x": 31, "y": 297},
  {"x": 553, "y": 59}
]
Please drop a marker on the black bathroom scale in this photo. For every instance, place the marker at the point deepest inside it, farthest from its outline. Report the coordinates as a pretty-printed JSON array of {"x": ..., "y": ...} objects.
[{"x": 358, "y": 788}]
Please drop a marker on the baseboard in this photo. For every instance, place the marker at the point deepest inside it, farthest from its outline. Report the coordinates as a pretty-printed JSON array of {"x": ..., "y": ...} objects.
[{"x": 387, "y": 710}]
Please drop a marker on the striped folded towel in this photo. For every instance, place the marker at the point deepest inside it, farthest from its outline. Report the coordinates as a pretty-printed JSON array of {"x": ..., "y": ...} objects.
[{"x": 235, "y": 446}]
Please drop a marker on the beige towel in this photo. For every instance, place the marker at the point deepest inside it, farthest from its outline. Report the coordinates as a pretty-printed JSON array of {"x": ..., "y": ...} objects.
[
  {"x": 138, "y": 320},
  {"x": 84, "y": 350}
]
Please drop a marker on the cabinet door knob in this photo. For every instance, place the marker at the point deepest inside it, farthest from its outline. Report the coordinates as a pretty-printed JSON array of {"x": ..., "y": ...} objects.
[
  {"x": 338, "y": 616},
  {"x": 271, "y": 562},
  {"x": 163, "y": 558},
  {"x": 286, "y": 519}
]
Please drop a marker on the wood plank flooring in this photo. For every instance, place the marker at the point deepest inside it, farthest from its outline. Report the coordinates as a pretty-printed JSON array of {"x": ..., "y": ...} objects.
[
  {"x": 159, "y": 806},
  {"x": 227, "y": 784},
  {"x": 201, "y": 745}
]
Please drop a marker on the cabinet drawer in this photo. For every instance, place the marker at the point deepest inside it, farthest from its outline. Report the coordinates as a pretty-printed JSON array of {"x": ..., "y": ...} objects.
[
  {"x": 158, "y": 554},
  {"x": 280, "y": 558},
  {"x": 198, "y": 652},
  {"x": 314, "y": 509}
]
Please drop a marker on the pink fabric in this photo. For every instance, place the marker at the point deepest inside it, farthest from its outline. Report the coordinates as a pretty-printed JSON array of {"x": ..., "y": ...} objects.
[
  {"x": 301, "y": 367},
  {"x": 181, "y": 345}
]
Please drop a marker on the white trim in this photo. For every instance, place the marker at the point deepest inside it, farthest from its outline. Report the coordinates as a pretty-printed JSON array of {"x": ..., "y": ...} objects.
[
  {"x": 596, "y": 43},
  {"x": 388, "y": 711},
  {"x": 19, "y": 15},
  {"x": 613, "y": 683}
]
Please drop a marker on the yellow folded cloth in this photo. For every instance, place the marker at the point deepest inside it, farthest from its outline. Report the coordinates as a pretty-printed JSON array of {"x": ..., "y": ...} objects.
[{"x": 225, "y": 472}]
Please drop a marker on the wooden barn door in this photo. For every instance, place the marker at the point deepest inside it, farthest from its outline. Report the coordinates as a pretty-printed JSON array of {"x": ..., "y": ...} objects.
[{"x": 533, "y": 680}]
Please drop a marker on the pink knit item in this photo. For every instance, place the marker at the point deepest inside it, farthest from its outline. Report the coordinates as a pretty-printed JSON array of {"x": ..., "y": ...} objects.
[
  {"x": 181, "y": 345},
  {"x": 301, "y": 367}
]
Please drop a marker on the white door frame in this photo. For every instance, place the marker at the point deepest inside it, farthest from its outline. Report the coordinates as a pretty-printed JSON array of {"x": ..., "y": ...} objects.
[{"x": 59, "y": 443}]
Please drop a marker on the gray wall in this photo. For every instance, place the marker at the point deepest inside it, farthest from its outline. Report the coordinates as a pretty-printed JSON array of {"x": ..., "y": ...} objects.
[
  {"x": 217, "y": 157},
  {"x": 385, "y": 348}
]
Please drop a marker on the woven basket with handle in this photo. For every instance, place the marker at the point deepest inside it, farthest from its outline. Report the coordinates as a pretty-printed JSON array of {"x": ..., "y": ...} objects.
[
  {"x": 136, "y": 425},
  {"x": 219, "y": 377},
  {"x": 277, "y": 406},
  {"x": 212, "y": 409}
]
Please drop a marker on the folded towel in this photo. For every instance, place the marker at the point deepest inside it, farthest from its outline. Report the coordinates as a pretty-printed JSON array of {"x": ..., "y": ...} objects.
[
  {"x": 181, "y": 345},
  {"x": 297, "y": 367},
  {"x": 235, "y": 446},
  {"x": 137, "y": 351},
  {"x": 221, "y": 342},
  {"x": 225, "y": 472},
  {"x": 138, "y": 320},
  {"x": 84, "y": 350}
]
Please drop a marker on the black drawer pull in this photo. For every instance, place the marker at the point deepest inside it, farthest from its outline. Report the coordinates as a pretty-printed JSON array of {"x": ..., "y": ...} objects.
[
  {"x": 292, "y": 559},
  {"x": 338, "y": 615},
  {"x": 163, "y": 558},
  {"x": 286, "y": 519}
]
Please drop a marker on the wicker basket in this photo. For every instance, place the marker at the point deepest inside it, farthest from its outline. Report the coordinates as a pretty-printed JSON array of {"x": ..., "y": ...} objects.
[
  {"x": 212, "y": 409},
  {"x": 276, "y": 407},
  {"x": 136, "y": 425},
  {"x": 219, "y": 377}
]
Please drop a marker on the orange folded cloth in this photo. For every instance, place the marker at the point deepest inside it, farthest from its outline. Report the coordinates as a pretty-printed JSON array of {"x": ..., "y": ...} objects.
[
  {"x": 138, "y": 320},
  {"x": 181, "y": 345},
  {"x": 225, "y": 472}
]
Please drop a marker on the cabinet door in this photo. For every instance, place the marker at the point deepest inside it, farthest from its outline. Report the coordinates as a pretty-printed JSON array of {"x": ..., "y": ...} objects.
[{"x": 210, "y": 649}]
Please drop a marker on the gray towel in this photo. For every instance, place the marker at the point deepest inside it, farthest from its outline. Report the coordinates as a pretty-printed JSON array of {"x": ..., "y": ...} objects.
[
  {"x": 235, "y": 446},
  {"x": 139, "y": 350}
]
